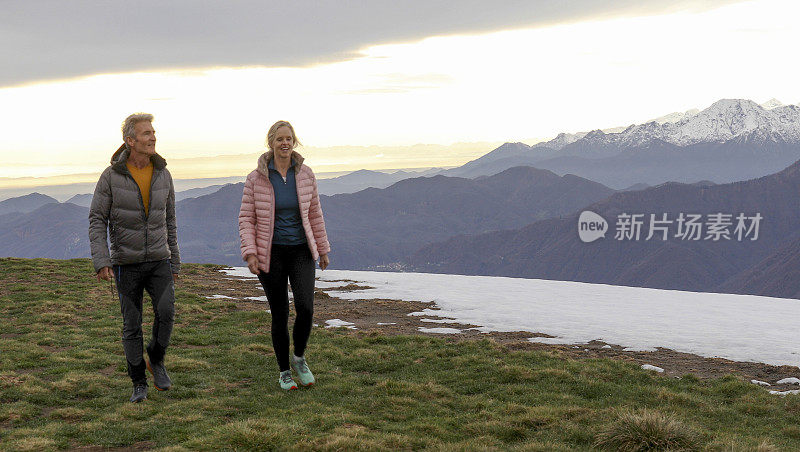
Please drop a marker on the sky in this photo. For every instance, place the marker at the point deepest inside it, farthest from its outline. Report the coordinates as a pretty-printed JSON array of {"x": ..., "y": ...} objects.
[{"x": 375, "y": 85}]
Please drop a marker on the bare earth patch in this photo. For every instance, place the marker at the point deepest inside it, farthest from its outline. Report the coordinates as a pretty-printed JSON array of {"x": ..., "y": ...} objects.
[
  {"x": 391, "y": 317},
  {"x": 108, "y": 370}
]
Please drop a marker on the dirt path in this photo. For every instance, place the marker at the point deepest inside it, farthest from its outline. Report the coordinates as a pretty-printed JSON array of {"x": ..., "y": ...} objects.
[{"x": 391, "y": 317}]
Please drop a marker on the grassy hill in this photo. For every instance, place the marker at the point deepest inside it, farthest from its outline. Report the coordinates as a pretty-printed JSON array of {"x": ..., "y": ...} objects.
[{"x": 63, "y": 385}]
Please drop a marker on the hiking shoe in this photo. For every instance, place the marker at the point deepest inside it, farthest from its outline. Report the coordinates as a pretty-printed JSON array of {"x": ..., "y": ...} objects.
[
  {"x": 303, "y": 372},
  {"x": 286, "y": 381},
  {"x": 160, "y": 378},
  {"x": 139, "y": 393}
]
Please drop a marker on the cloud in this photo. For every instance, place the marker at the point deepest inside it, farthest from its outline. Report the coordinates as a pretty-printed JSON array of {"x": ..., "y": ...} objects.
[
  {"x": 402, "y": 83},
  {"x": 56, "y": 39}
]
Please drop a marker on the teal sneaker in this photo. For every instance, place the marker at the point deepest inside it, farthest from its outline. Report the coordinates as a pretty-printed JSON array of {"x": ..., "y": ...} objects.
[
  {"x": 286, "y": 381},
  {"x": 303, "y": 372}
]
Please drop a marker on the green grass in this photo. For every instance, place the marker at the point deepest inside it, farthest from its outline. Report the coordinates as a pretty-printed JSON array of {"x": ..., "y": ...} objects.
[{"x": 63, "y": 385}]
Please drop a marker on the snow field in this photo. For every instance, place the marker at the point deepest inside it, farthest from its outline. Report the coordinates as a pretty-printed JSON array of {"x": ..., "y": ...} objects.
[{"x": 736, "y": 327}]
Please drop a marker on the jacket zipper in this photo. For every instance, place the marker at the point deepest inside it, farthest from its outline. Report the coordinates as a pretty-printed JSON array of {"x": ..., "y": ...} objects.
[
  {"x": 271, "y": 236},
  {"x": 145, "y": 214},
  {"x": 300, "y": 209}
]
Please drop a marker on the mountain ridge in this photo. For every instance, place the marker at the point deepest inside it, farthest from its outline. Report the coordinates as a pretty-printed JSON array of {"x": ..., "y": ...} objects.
[{"x": 551, "y": 249}]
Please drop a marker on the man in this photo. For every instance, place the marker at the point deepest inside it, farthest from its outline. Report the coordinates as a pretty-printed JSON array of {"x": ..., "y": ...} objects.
[{"x": 135, "y": 201}]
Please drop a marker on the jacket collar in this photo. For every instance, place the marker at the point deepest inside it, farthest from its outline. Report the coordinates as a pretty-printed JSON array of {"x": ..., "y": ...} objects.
[
  {"x": 263, "y": 162},
  {"x": 120, "y": 158},
  {"x": 271, "y": 164}
]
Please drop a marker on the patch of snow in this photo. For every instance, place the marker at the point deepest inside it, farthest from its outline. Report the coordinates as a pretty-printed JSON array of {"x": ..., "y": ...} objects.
[
  {"x": 606, "y": 346},
  {"x": 736, "y": 327},
  {"x": 387, "y": 323},
  {"x": 240, "y": 272},
  {"x": 261, "y": 298},
  {"x": 438, "y": 320},
  {"x": 335, "y": 323},
  {"x": 439, "y": 330},
  {"x": 264, "y": 298},
  {"x": 650, "y": 367},
  {"x": 327, "y": 284},
  {"x": 785, "y": 393},
  {"x": 244, "y": 273},
  {"x": 423, "y": 312},
  {"x": 638, "y": 348},
  {"x": 759, "y": 382},
  {"x": 788, "y": 381},
  {"x": 220, "y": 297}
]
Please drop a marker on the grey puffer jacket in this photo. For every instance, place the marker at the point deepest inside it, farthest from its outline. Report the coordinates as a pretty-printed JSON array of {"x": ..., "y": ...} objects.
[{"x": 117, "y": 207}]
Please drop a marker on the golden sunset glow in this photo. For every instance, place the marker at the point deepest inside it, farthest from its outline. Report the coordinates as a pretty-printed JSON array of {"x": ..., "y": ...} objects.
[{"x": 517, "y": 85}]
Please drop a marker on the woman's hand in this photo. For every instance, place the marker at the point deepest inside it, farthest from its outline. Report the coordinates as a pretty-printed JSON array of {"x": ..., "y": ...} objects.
[
  {"x": 252, "y": 263},
  {"x": 324, "y": 261}
]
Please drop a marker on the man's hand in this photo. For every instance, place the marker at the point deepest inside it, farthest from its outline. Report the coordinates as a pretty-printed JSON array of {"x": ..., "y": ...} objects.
[
  {"x": 252, "y": 263},
  {"x": 105, "y": 274},
  {"x": 174, "y": 276},
  {"x": 324, "y": 261}
]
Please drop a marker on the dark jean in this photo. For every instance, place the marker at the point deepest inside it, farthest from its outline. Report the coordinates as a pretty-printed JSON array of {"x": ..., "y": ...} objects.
[
  {"x": 132, "y": 280},
  {"x": 295, "y": 264}
]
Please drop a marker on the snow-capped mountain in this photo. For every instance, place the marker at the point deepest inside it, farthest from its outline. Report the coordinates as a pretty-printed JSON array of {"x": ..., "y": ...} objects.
[
  {"x": 737, "y": 120},
  {"x": 564, "y": 138},
  {"x": 675, "y": 117},
  {"x": 772, "y": 103},
  {"x": 731, "y": 140},
  {"x": 734, "y": 119}
]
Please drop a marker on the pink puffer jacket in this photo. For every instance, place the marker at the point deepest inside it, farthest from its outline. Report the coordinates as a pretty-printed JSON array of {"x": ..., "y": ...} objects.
[{"x": 257, "y": 214}]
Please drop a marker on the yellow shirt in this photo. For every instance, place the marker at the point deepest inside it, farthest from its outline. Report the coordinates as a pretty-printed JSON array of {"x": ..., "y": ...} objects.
[{"x": 143, "y": 177}]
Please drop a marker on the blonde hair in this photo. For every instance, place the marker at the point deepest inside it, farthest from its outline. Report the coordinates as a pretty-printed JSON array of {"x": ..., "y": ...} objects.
[{"x": 274, "y": 131}]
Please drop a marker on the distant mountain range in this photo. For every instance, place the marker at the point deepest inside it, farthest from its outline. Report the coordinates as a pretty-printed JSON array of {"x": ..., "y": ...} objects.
[
  {"x": 369, "y": 229},
  {"x": 85, "y": 200},
  {"x": 77, "y": 193},
  {"x": 347, "y": 183},
  {"x": 24, "y": 204},
  {"x": 498, "y": 215},
  {"x": 439, "y": 224},
  {"x": 551, "y": 249},
  {"x": 208, "y": 226},
  {"x": 54, "y": 230},
  {"x": 730, "y": 140},
  {"x": 375, "y": 228},
  {"x": 361, "y": 179}
]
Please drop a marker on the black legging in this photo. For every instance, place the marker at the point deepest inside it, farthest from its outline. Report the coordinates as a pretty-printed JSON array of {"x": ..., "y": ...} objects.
[{"x": 295, "y": 263}]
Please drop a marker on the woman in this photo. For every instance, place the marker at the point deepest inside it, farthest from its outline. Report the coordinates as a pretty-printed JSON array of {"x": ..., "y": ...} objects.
[{"x": 283, "y": 233}]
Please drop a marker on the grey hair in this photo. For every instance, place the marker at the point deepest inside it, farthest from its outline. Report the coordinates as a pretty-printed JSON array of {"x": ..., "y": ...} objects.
[
  {"x": 130, "y": 123},
  {"x": 274, "y": 131}
]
